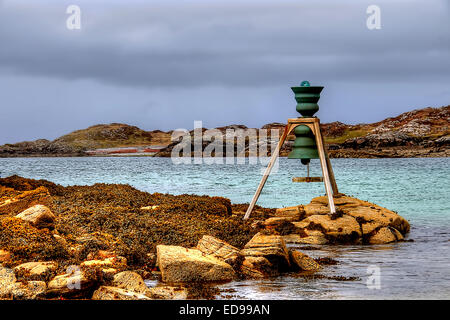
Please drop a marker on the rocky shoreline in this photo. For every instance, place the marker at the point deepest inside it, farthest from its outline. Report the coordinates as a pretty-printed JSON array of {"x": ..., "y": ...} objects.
[
  {"x": 100, "y": 242},
  {"x": 419, "y": 133}
]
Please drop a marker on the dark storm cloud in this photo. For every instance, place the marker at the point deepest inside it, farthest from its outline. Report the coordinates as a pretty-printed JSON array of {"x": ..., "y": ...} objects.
[
  {"x": 163, "y": 64},
  {"x": 232, "y": 44}
]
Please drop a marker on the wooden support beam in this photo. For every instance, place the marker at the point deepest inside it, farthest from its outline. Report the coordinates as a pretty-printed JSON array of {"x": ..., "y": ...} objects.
[
  {"x": 267, "y": 171},
  {"x": 307, "y": 179},
  {"x": 323, "y": 164}
]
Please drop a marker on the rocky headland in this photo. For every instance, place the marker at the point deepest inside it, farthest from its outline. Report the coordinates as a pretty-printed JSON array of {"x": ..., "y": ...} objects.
[
  {"x": 419, "y": 133},
  {"x": 100, "y": 242}
]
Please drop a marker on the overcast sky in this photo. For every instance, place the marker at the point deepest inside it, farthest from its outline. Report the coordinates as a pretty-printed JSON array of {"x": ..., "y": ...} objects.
[{"x": 164, "y": 64}]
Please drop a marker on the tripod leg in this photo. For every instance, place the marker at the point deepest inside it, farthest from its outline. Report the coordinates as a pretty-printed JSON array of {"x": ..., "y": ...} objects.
[
  {"x": 323, "y": 164},
  {"x": 330, "y": 170},
  {"x": 267, "y": 171}
]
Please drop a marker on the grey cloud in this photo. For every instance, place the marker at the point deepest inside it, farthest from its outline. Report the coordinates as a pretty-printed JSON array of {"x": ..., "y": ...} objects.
[
  {"x": 163, "y": 64},
  {"x": 226, "y": 44}
]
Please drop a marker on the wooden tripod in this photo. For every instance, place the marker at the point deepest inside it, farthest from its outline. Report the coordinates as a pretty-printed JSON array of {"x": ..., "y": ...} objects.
[{"x": 327, "y": 170}]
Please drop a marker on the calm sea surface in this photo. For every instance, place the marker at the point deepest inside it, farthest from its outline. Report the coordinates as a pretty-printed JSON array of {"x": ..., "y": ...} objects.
[{"x": 418, "y": 189}]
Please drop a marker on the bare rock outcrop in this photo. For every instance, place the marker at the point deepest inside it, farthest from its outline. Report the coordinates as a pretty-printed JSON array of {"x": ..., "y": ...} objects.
[
  {"x": 356, "y": 221},
  {"x": 178, "y": 264}
]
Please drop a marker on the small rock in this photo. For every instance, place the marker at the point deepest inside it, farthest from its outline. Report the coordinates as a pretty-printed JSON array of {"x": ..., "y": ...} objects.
[
  {"x": 103, "y": 254},
  {"x": 7, "y": 282},
  {"x": 5, "y": 256},
  {"x": 130, "y": 281},
  {"x": 114, "y": 293},
  {"x": 109, "y": 272},
  {"x": 257, "y": 267},
  {"x": 36, "y": 270},
  {"x": 167, "y": 293},
  {"x": 70, "y": 284},
  {"x": 385, "y": 235},
  {"x": 113, "y": 262},
  {"x": 39, "y": 216},
  {"x": 97, "y": 263},
  {"x": 271, "y": 247},
  {"x": 178, "y": 264},
  {"x": 150, "y": 208},
  {"x": 30, "y": 291},
  {"x": 303, "y": 261}
]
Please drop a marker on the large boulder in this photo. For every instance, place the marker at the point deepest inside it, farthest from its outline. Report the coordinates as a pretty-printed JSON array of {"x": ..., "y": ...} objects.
[
  {"x": 114, "y": 293},
  {"x": 39, "y": 216},
  {"x": 355, "y": 221},
  {"x": 130, "y": 281},
  {"x": 178, "y": 264},
  {"x": 364, "y": 212},
  {"x": 271, "y": 247},
  {"x": 303, "y": 261},
  {"x": 219, "y": 249}
]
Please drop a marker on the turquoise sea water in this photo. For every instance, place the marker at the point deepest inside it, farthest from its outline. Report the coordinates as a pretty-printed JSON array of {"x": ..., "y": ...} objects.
[{"x": 418, "y": 189}]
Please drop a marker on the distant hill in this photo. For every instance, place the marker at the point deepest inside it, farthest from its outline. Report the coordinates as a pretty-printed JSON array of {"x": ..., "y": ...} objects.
[{"x": 418, "y": 133}]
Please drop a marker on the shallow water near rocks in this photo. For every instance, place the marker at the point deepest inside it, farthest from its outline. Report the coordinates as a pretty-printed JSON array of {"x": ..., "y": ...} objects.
[{"x": 418, "y": 189}]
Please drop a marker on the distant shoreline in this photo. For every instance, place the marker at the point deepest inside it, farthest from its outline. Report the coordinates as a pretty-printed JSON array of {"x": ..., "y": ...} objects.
[{"x": 419, "y": 133}]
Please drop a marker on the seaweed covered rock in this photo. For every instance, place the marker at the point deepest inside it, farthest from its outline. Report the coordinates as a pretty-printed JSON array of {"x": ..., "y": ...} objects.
[
  {"x": 178, "y": 264},
  {"x": 39, "y": 216},
  {"x": 27, "y": 243},
  {"x": 5, "y": 256},
  {"x": 23, "y": 184},
  {"x": 42, "y": 270},
  {"x": 14, "y": 201},
  {"x": 271, "y": 247},
  {"x": 30, "y": 290},
  {"x": 7, "y": 282}
]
